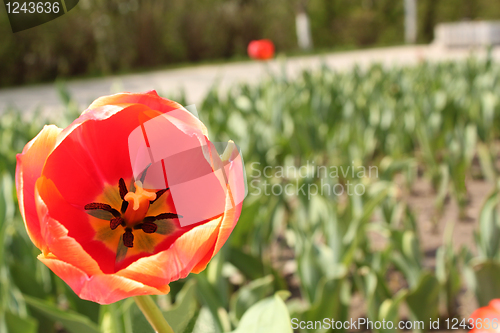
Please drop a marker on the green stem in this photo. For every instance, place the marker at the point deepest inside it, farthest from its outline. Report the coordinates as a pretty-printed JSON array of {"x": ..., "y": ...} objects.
[{"x": 153, "y": 314}]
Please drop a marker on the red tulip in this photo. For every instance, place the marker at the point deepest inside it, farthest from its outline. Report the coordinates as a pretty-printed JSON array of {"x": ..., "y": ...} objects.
[
  {"x": 486, "y": 319},
  {"x": 105, "y": 226},
  {"x": 262, "y": 49}
]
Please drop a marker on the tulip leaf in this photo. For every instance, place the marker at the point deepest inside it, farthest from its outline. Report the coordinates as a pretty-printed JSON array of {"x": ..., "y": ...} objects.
[
  {"x": 425, "y": 293},
  {"x": 110, "y": 319},
  {"x": 486, "y": 283},
  {"x": 206, "y": 323},
  {"x": 267, "y": 315},
  {"x": 210, "y": 298},
  {"x": 25, "y": 280},
  {"x": 251, "y": 267},
  {"x": 17, "y": 324},
  {"x": 489, "y": 231},
  {"x": 332, "y": 299},
  {"x": 184, "y": 309},
  {"x": 250, "y": 294},
  {"x": 72, "y": 321},
  {"x": 137, "y": 322},
  {"x": 389, "y": 310}
]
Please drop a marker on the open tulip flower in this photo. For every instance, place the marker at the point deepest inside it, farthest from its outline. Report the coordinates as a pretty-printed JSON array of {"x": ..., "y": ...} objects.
[{"x": 128, "y": 198}]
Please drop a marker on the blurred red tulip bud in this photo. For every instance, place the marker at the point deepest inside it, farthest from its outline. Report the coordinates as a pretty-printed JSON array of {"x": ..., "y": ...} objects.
[{"x": 262, "y": 49}]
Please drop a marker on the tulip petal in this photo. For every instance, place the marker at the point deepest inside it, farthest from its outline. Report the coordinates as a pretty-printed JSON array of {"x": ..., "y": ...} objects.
[
  {"x": 485, "y": 315},
  {"x": 482, "y": 314},
  {"x": 60, "y": 172},
  {"x": 235, "y": 194},
  {"x": 29, "y": 168},
  {"x": 495, "y": 304},
  {"x": 176, "y": 262},
  {"x": 154, "y": 102},
  {"x": 57, "y": 241},
  {"x": 103, "y": 288},
  {"x": 223, "y": 231},
  {"x": 93, "y": 153},
  {"x": 90, "y": 158}
]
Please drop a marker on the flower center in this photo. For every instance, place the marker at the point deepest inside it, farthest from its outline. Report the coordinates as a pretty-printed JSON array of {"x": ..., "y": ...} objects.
[
  {"x": 132, "y": 215},
  {"x": 138, "y": 204}
]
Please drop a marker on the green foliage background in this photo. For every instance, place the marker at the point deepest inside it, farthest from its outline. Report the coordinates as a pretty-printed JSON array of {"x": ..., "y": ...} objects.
[
  {"x": 100, "y": 37},
  {"x": 436, "y": 121}
]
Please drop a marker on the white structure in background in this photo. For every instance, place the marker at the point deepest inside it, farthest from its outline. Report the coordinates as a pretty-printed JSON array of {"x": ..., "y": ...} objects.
[
  {"x": 303, "y": 31},
  {"x": 410, "y": 21},
  {"x": 467, "y": 34}
]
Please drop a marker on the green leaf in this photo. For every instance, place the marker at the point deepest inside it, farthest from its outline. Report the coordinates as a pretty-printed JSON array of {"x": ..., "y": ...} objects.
[
  {"x": 184, "y": 309},
  {"x": 205, "y": 323},
  {"x": 411, "y": 249},
  {"x": 486, "y": 283},
  {"x": 253, "y": 267},
  {"x": 16, "y": 324},
  {"x": 110, "y": 319},
  {"x": 137, "y": 320},
  {"x": 72, "y": 321},
  {"x": 389, "y": 310},
  {"x": 329, "y": 301},
  {"x": 423, "y": 301},
  {"x": 250, "y": 294},
  {"x": 489, "y": 230},
  {"x": 25, "y": 280},
  {"x": 209, "y": 297},
  {"x": 250, "y": 266},
  {"x": 486, "y": 161},
  {"x": 268, "y": 315}
]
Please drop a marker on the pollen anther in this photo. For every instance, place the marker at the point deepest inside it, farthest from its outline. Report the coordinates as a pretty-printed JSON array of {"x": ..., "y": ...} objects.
[
  {"x": 128, "y": 238},
  {"x": 115, "y": 222},
  {"x": 149, "y": 227}
]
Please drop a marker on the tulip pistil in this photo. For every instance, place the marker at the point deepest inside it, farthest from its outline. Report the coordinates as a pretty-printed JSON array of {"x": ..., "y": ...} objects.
[{"x": 138, "y": 203}]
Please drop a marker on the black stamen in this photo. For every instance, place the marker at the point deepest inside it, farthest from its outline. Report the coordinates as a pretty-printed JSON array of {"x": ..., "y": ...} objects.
[
  {"x": 114, "y": 223},
  {"x": 123, "y": 188},
  {"x": 128, "y": 238},
  {"x": 149, "y": 227},
  {"x": 101, "y": 206},
  {"x": 96, "y": 205},
  {"x": 167, "y": 216},
  {"x": 163, "y": 216},
  {"x": 159, "y": 194},
  {"x": 124, "y": 207},
  {"x": 149, "y": 219}
]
